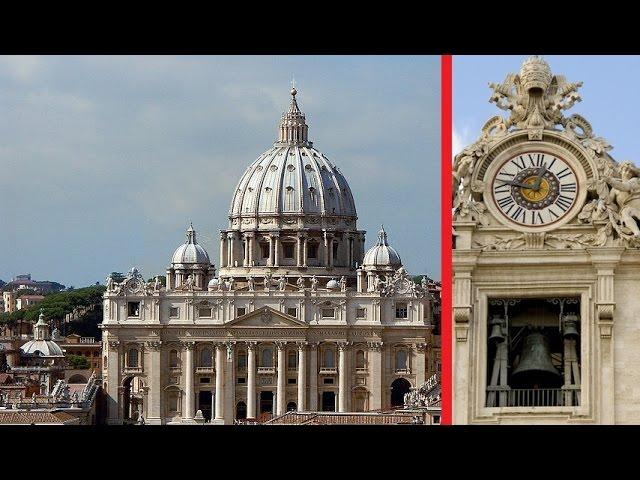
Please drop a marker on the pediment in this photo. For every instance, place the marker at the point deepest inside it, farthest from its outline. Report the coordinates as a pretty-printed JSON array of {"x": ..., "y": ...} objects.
[{"x": 267, "y": 317}]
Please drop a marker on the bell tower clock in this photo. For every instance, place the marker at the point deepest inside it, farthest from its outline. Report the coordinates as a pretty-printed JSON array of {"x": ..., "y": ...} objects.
[{"x": 544, "y": 222}]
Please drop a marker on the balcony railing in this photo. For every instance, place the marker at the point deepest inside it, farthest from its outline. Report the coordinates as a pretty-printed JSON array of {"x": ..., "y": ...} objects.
[
  {"x": 533, "y": 397},
  {"x": 328, "y": 370},
  {"x": 267, "y": 370},
  {"x": 132, "y": 370},
  {"x": 205, "y": 370}
]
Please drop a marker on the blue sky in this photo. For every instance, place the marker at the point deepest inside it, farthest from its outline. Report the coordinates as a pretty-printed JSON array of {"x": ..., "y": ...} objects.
[
  {"x": 610, "y": 96},
  {"x": 105, "y": 160}
]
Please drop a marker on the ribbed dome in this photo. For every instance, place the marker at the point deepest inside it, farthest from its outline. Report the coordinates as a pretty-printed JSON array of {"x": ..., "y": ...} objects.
[
  {"x": 43, "y": 348},
  {"x": 292, "y": 177},
  {"x": 41, "y": 344},
  {"x": 382, "y": 255},
  {"x": 190, "y": 252}
]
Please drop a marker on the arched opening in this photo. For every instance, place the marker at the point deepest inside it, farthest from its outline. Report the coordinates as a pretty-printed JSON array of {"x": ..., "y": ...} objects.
[
  {"x": 291, "y": 407},
  {"x": 399, "y": 387},
  {"x": 132, "y": 399},
  {"x": 173, "y": 402},
  {"x": 241, "y": 411},
  {"x": 328, "y": 402},
  {"x": 77, "y": 378}
]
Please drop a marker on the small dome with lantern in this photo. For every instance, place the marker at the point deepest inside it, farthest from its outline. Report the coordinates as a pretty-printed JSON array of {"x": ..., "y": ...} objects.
[
  {"x": 382, "y": 256},
  {"x": 41, "y": 345},
  {"x": 190, "y": 252}
]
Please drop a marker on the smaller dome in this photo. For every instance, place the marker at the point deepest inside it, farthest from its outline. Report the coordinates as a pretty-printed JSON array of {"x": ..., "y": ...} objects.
[
  {"x": 42, "y": 348},
  {"x": 333, "y": 284},
  {"x": 382, "y": 255},
  {"x": 213, "y": 284},
  {"x": 190, "y": 252}
]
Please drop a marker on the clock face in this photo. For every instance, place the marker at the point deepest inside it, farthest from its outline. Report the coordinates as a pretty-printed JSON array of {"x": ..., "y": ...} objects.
[{"x": 535, "y": 188}]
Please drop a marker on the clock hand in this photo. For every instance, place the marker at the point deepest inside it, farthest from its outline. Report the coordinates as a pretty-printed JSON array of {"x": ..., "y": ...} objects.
[
  {"x": 517, "y": 184},
  {"x": 541, "y": 172}
]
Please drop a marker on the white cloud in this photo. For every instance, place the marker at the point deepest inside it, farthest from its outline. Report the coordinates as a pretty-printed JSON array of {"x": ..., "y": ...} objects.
[
  {"x": 23, "y": 68},
  {"x": 461, "y": 138}
]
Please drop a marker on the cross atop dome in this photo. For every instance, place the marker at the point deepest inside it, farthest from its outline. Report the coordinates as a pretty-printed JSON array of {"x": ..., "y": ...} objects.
[{"x": 382, "y": 236}]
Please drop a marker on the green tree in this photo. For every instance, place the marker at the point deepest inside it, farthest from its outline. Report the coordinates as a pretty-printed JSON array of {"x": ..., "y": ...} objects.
[{"x": 78, "y": 361}]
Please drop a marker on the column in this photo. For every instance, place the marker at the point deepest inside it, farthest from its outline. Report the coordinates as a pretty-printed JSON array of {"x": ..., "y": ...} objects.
[
  {"x": 223, "y": 249},
  {"x": 250, "y": 238},
  {"x": 302, "y": 376},
  {"x": 282, "y": 374},
  {"x": 245, "y": 259},
  {"x": 154, "y": 410},
  {"x": 326, "y": 250},
  {"x": 230, "y": 261},
  {"x": 189, "y": 387},
  {"x": 350, "y": 240},
  {"x": 251, "y": 380},
  {"x": 276, "y": 253},
  {"x": 375, "y": 375},
  {"x": 313, "y": 377},
  {"x": 270, "y": 263},
  {"x": 299, "y": 252},
  {"x": 220, "y": 361},
  {"x": 113, "y": 382},
  {"x": 230, "y": 390},
  {"x": 342, "y": 377},
  {"x": 304, "y": 251}
]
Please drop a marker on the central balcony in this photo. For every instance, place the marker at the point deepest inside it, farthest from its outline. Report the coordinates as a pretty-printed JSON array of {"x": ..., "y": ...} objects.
[
  {"x": 328, "y": 370},
  {"x": 267, "y": 370},
  {"x": 205, "y": 370}
]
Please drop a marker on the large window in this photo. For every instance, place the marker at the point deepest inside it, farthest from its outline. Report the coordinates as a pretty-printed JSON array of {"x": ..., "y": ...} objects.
[
  {"x": 401, "y": 360},
  {"x": 264, "y": 250},
  {"x": 328, "y": 313},
  {"x": 287, "y": 250},
  {"x": 173, "y": 359},
  {"x": 312, "y": 250},
  {"x": 401, "y": 310},
  {"x": 329, "y": 358},
  {"x": 206, "y": 357},
  {"x": 174, "y": 312},
  {"x": 133, "y": 309},
  {"x": 132, "y": 358},
  {"x": 292, "y": 360},
  {"x": 242, "y": 360},
  {"x": 204, "y": 312},
  {"x": 360, "y": 359},
  {"x": 267, "y": 358}
]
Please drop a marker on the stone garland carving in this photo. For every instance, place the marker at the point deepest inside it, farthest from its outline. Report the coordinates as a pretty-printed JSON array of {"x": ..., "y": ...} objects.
[
  {"x": 133, "y": 284},
  {"x": 400, "y": 283}
]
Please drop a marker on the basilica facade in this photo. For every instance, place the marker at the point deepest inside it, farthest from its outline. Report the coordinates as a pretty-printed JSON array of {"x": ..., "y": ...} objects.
[
  {"x": 298, "y": 316},
  {"x": 545, "y": 265}
]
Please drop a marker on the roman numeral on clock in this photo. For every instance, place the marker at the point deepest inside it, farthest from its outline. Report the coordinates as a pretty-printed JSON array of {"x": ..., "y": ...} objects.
[
  {"x": 563, "y": 202},
  {"x": 563, "y": 173},
  {"x": 536, "y": 218},
  {"x": 520, "y": 165},
  {"x": 504, "y": 202},
  {"x": 502, "y": 188},
  {"x": 568, "y": 187},
  {"x": 517, "y": 213},
  {"x": 536, "y": 161}
]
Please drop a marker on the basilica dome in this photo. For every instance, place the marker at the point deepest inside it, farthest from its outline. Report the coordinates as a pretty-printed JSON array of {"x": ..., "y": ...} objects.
[
  {"x": 382, "y": 255},
  {"x": 190, "y": 252},
  {"x": 293, "y": 178}
]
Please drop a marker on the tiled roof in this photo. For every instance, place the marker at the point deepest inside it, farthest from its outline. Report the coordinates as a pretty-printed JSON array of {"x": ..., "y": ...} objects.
[{"x": 12, "y": 417}]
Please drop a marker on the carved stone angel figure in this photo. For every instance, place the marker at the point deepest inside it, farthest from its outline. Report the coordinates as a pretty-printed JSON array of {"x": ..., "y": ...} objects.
[
  {"x": 282, "y": 283},
  {"x": 110, "y": 283},
  {"x": 251, "y": 283},
  {"x": 314, "y": 284},
  {"x": 343, "y": 284},
  {"x": 188, "y": 284},
  {"x": 626, "y": 194},
  {"x": 300, "y": 283}
]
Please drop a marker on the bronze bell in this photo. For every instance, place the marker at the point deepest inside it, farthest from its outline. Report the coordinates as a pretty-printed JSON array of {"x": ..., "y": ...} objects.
[
  {"x": 570, "y": 326},
  {"x": 535, "y": 369},
  {"x": 496, "y": 330}
]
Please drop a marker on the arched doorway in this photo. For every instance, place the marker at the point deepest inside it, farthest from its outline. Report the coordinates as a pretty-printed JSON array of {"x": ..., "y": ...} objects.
[
  {"x": 328, "y": 401},
  {"x": 241, "y": 411},
  {"x": 126, "y": 400},
  {"x": 291, "y": 407},
  {"x": 399, "y": 387}
]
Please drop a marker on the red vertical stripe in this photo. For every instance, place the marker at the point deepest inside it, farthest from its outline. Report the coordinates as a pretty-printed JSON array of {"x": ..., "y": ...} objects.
[{"x": 445, "y": 233}]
